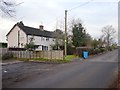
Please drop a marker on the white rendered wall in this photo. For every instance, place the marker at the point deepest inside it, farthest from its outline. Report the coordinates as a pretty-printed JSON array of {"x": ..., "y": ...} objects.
[{"x": 13, "y": 38}]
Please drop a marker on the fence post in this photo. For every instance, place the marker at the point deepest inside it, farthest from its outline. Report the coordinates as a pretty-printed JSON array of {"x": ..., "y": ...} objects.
[
  {"x": 51, "y": 54},
  {"x": 55, "y": 54},
  {"x": 47, "y": 54},
  {"x": 43, "y": 53},
  {"x": 19, "y": 54},
  {"x": 59, "y": 54},
  {"x": 39, "y": 54},
  {"x": 26, "y": 54},
  {"x": 33, "y": 54},
  {"x": 22, "y": 54},
  {"x": 62, "y": 55},
  {"x": 36, "y": 54}
]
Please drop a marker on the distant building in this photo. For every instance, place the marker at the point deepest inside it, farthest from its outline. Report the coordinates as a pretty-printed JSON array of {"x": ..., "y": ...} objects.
[{"x": 20, "y": 34}]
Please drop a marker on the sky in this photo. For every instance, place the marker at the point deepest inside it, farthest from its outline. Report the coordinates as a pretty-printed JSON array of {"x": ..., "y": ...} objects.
[{"x": 94, "y": 14}]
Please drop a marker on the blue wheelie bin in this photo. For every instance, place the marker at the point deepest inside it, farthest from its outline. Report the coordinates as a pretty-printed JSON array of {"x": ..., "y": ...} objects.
[{"x": 85, "y": 54}]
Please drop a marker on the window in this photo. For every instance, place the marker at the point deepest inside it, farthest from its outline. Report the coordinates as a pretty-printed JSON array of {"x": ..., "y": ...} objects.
[
  {"x": 53, "y": 39},
  {"x": 47, "y": 39},
  {"x": 44, "y": 48},
  {"x": 42, "y": 38}
]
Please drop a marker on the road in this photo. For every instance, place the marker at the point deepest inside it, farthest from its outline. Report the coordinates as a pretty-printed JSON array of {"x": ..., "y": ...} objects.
[{"x": 96, "y": 72}]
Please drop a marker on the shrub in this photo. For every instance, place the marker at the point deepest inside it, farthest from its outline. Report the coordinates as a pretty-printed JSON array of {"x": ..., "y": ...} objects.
[
  {"x": 102, "y": 50},
  {"x": 91, "y": 51},
  {"x": 110, "y": 48},
  {"x": 7, "y": 55},
  {"x": 95, "y": 51}
]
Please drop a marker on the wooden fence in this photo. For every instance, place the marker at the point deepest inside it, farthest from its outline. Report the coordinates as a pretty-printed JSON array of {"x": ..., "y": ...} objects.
[{"x": 53, "y": 54}]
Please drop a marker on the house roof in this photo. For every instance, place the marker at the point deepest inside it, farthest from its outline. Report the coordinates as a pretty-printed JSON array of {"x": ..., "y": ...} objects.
[{"x": 33, "y": 31}]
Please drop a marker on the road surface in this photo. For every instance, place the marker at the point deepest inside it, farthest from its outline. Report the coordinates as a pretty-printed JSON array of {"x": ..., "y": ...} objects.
[{"x": 96, "y": 72}]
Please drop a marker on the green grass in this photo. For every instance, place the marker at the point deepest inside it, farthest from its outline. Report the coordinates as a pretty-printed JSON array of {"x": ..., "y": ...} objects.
[
  {"x": 66, "y": 59},
  {"x": 42, "y": 59},
  {"x": 53, "y": 60},
  {"x": 70, "y": 57},
  {"x": 45, "y": 60},
  {"x": 49, "y": 60}
]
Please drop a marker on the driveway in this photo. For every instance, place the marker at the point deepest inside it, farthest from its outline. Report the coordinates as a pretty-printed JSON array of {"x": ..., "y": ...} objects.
[{"x": 97, "y": 72}]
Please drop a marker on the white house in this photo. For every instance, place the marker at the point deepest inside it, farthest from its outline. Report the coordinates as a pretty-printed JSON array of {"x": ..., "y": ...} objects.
[{"x": 20, "y": 34}]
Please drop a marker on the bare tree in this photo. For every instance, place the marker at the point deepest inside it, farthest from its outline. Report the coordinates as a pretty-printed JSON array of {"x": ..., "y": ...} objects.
[
  {"x": 7, "y": 7},
  {"x": 108, "y": 34}
]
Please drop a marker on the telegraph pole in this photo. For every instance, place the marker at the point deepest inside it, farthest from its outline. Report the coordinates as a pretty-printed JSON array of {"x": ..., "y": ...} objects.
[{"x": 65, "y": 48}]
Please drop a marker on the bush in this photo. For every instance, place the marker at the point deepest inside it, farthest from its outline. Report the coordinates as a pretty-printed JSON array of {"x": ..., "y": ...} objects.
[
  {"x": 7, "y": 55},
  {"x": 102, "y": 50},
  {"x": 91, "y": 52},
  {"x": 97, "y": 51},
  {"x": 94, "y": 51},
  {"x": 110, "y": 48}
]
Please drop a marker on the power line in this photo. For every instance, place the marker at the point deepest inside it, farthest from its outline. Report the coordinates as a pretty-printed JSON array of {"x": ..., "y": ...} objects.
[
  {"x": 80, "y": 5},
  {"x": 70, "y": 10},
  {"x": 65, "y": 45}
]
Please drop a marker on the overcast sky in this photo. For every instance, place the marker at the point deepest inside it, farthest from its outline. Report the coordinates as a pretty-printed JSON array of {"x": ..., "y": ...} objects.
[{"x": 50, "y": 13}]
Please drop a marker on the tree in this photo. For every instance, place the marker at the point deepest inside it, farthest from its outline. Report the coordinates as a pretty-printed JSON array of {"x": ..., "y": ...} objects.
[
  {"x": 80, "y": 37},
  {"x": 59, "y": 44},
  {"x": 108, "y": 34},
  {"x": 7, "y": 7},
  {"x": 31, "y": 46},
  {"x": 95, "y": 43},
  {"x": 101, "y": 41}
]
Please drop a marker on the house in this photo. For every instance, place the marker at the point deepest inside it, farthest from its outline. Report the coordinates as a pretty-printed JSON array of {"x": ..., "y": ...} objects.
[{"x": 20, "y": 35}]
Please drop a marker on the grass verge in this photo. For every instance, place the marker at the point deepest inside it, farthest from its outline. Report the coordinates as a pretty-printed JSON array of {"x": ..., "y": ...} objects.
[
  {"x": 70, "y": 57},
  {"x": 53, "y": 60},
  {"x": 66, "y": 59},
  {"x": 45, "y": 60}
]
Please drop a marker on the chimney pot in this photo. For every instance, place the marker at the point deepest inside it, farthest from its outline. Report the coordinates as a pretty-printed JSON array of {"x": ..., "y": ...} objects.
[{"x": 41, "y": 27}]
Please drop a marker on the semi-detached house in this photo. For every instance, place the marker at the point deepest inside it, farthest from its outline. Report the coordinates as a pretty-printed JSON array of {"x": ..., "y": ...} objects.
[{"x": 20, "y": 34}]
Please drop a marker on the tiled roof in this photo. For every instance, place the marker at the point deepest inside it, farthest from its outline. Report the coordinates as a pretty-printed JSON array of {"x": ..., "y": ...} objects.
[{"x": 34, "y": 31}]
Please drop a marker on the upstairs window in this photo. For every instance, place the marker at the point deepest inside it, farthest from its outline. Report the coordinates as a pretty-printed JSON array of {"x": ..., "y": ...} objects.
[
  {"x": 47, "y": 39},
  {"x": 53, "y": 39},
  {"x": 42, "y": 38}
]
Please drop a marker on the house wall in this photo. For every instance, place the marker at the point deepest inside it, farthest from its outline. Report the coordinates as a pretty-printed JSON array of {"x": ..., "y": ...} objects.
[
  {"x": 22, "y": 38},
  {"x": 38, "y": 40},
  {"x": 13, "y": 38}
]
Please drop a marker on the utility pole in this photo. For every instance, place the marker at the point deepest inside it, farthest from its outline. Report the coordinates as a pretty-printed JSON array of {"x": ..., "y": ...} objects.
[
  {"x": 65, "y": 33},
  {"x": 65, "y": 46},
  {"x": 18, "y": 39}
]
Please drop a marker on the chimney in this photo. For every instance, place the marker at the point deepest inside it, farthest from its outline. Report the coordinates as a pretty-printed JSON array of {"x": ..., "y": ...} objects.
[{"x": 41, "y": 27}]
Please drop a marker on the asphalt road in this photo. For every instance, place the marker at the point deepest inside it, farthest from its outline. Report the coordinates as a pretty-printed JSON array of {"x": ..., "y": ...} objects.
[{"x": 96, "y": 72}]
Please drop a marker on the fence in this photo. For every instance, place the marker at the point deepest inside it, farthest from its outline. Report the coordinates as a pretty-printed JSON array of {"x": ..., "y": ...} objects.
[
  {"x": 3, "y": 51},
  {"x": 54, "y": 54}
]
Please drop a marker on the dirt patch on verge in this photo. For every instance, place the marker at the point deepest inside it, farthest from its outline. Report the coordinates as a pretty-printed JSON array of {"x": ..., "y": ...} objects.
[{"x": 116, "y": 84}]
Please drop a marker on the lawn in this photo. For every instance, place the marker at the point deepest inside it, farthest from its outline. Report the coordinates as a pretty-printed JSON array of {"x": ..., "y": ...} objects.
[{"x": 70, "y": 57}]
